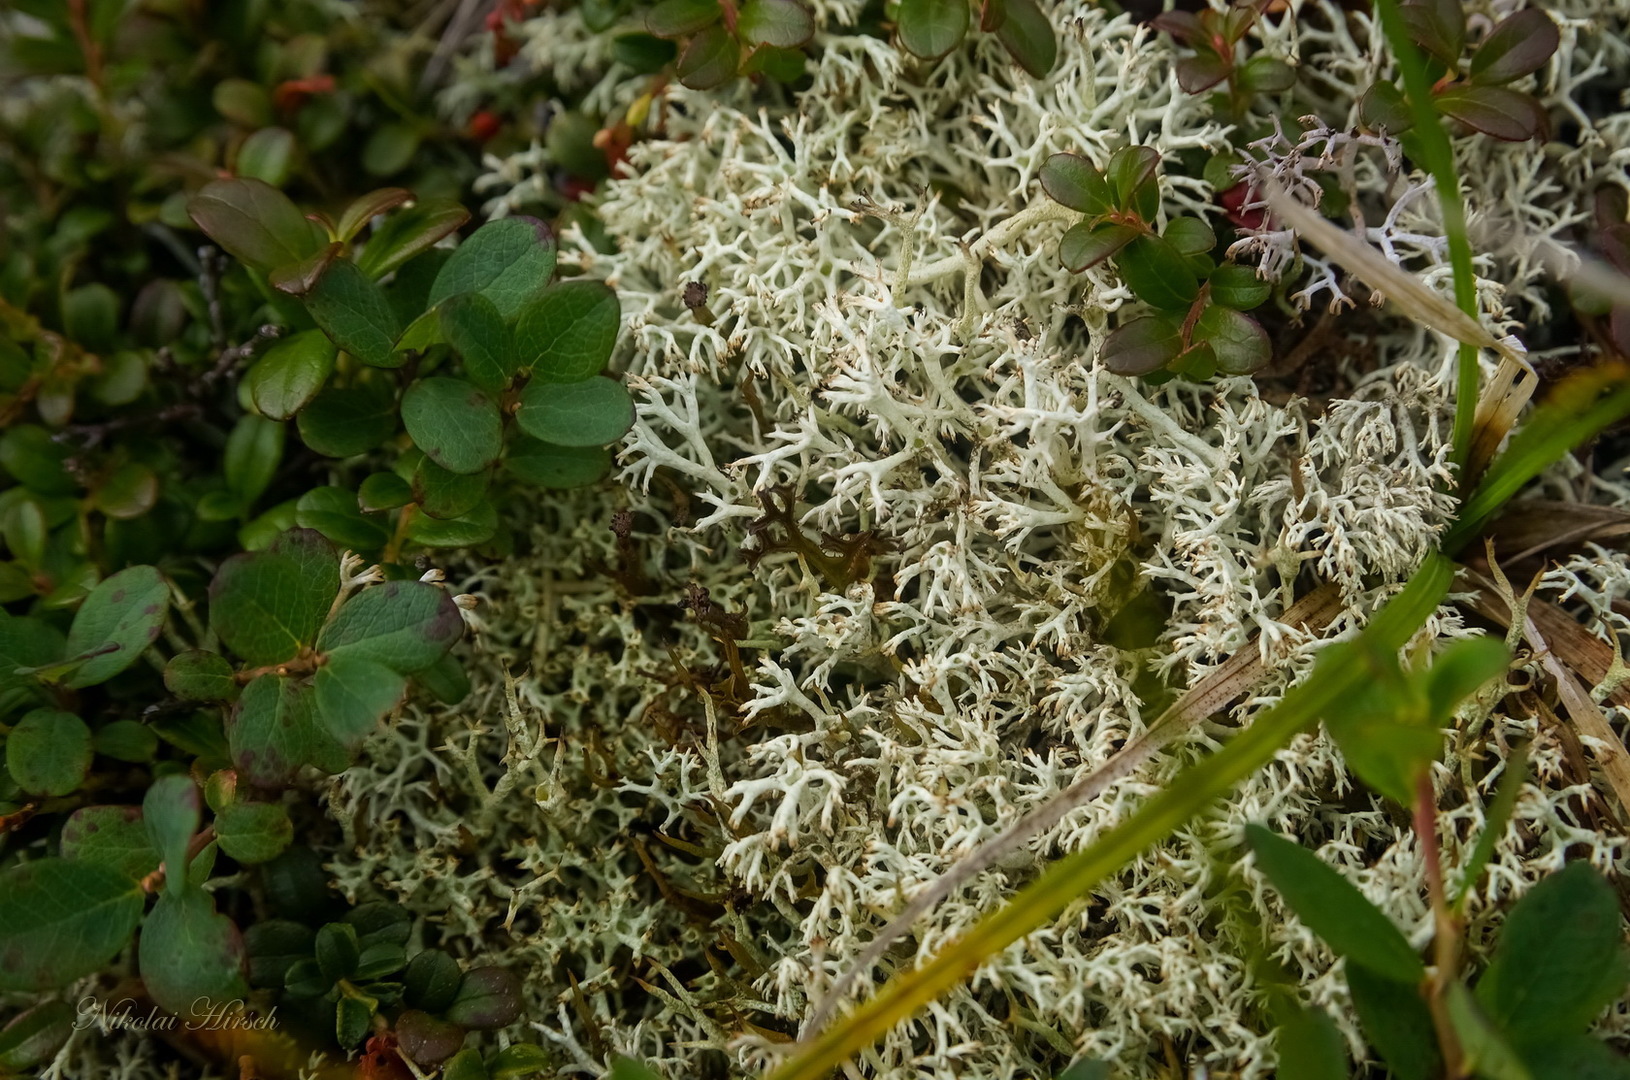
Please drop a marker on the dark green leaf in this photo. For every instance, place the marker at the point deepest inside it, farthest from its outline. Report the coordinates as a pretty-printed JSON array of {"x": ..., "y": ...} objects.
[
  {"x": 390, "y": 147},
  {"x": 454, "y": 423},
  {"x": 1559, "y": 961},
  {"x": 171, "y": 811},
  {"x": 1238, "y": 287},
  {"x": 1158, "y": 274},
  {"x": 343, "y": 422},
  {"x": 298, "y": 279},
  {"x": 1520, "y": 44},
  {"x": 191, "y": 956},
  {"x": 30, "y": 454},
  {"x": 1239, "y": 341},
  {"x": 1142, "y": 345},
  {"x": 1460, "y": 671},
  {"x": 353, "y": 311},
  {"x": 1333, "y": 909},
  {"x": 432, "y": 981},
  {"x": 129, "y": 491},
  {"x": 253, "y": 832},
  {"x": 404, "y": 625},
  {"x": 644, "y": 53},
  {"x": 355, "y": 217},
  {"x": 243, "y": 102},
  {"x": 465, "y": 1065},
  {"x": 1085, "y": 245},
  {"x": 593, "y": 412},
  {"x": 111, "y": 836},
  {"x": 489, "y": 997},
  {"x": 782, "y": 65},
  {"x": 383, "y": 491},
  {"x": 1397, "y": 1023},
  {"x": 476, "y": 527},
  {"x": 1383, "y": 108},
  {"x": 682, "y": 18},
  {"x": 1070, "y": 180},
  {"x": 518, "y": 1061},
  {"x": 443, "y": 494},
  {"x": 337, "y": 951},
  {"x": 126, "y": 740},
  {"x": 49, "y": 752},
  {"x": 1190, "y": 236},
  {"x": 265, "y": 605},
  {"x": 380, "y": 959},
  {"x": 24, "y": 643},
  {"x": 931, "y": 28},
  {"x": 1485, "y": 1052},
  {"x": 274, "y": 730},
  {"x": 255, "y": 222},
  {"x": 353, "y": 693},
  {"x": 1577, "y": 1057},
  {"x": 508, "y": 261},
  {"x": 34, "y": 1035},
  {"x": 61, "y": 919},
  {"x": 118, "y": 620},
  {"x": 288, "y": 376},
  {"x": 275, "y": 945},
  {"x": 1493, "y": 110},
  {"x": 1028, "y": 37},
  {"x": 1310, "y": 1047},
  {"x": 1132, "y": 170},
  {"x": 709, "y": 59},
  {"x": 1439, "y": 27},
  {"x": 379, "y": 922},
  {"x": 623, "y": 1068},
  {"x": 476, "y": 330},
  {"x": 784, "y": 24},
  {"x": 253, "y": 452},
  {"x": 408, "y": 232},
  {"x": 352, "y": 1020},
  {"x": 305, "y": 979},
  {"x": 1266, "y": 75},
  {"x": 550, "y": 466},
  {"x": 333, "y": 511},
  {"x": 198, "y": 675},
  {"x": 566, "y": 335},
  {"x": 445, "y": 679}
]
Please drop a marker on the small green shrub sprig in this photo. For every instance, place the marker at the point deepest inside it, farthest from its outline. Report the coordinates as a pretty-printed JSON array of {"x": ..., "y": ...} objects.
[
  {"x": 493, "y": 371},
  {"x": 1198, "y": 327},
  {"x": 1215, "y": 37},
  {"x": 717, "y": 40},
  {"x": 930, "y": 29},
  {"x": 1474, "y": 91}
]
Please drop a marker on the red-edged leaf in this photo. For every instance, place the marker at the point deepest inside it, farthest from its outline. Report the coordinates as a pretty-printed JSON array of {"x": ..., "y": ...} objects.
[
  {"x": 710, "y": 59},
  {"x": 1494, "y": 110},
  {"x": 1083, "y": 245},
  {"x": 1181, "y": 25},
  {"x": 299, "y": 278},
  {"x": 1518, "y": 46},
  {"x": 1130, "y": 169},
  {"x": 1202, "y": 71},
  {"x": 1142, "y": 345},
  {"x": 1439, "y": 27},
  {"x": 1070, "y": 180}
]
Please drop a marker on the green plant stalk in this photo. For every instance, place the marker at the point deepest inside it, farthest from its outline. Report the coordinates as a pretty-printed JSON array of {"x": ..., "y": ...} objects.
[
  {"x": 1073, "y": 875},
  {"x": 1439, "y": 160}
]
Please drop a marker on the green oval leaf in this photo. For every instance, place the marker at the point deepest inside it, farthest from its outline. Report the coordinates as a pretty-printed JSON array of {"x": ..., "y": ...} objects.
[
  {"x": 1383, "y": 108},
  {"x": 489, "y": 997},
  {"x": 408, "y": 232},
  {"x": 454, "y": 423},
  {"x": 1130, "y": 175},
  {"x": 126, "y": 740},
  {"x": 1028, "y": 37},
  {"x": 1142, "y": 345},
  {"x": 1085, "y": 245},
  {"x": 285, "y": 379},
  {"x": 508, "y": 261},
  {"x": 254, "y": 222},
  {"x": 1238, "y": 287},
  {"x": 333, "y": 511},
  {"x": 345, "y": 421},
  {"x": 566, "y": 335},
  {"x": 199, "y": 675},
  {"x": 275, "y": 729},
  {"x": 171, "y": 811},
  {"x": 467, "y": 530},
  {"x": 353, "y": 311},
  {"x": 1266, "y": 75},
  {"x": 253, "y": 452},
  {"x": 49, "y": 752},
  {"x": 191, "y": 956},
  {"x": 932, "y": 28},
  {"x": 432, "y": 981},
  {"x": 265, "y": 605},
  {"x": 443, "y": 494},
  {"x": 34, "y": 1035},
  {"x": 682, "y": 18},
  {"x": 62, "y": 919},
  {"x": 1158, "y": 274},
  {"x": 709, "y": 59},
  {"x": 1240, "y": 343},
  {"x": 354, "y": 693},
  {"x": 1494, "y": 110},
  {"x": 118, "y": 620},
  {"x": 593, "y": 412},
  {"x": 551, "y": 466},
  {"x": 253, "y": 832},
  {"x": 110, "y": 836},
  {"x": 476, "y": 331},
  {"x": 1397, "y": 1022},
  {"x": 1333, "y": 909},
  {"x": 383, "y": 491},
  {"x": 784, "y": 24},
  {"x": 1190, "y": 236},
  {"x": 404, "y": 625},
  {"x": 1519, "y": 45}
]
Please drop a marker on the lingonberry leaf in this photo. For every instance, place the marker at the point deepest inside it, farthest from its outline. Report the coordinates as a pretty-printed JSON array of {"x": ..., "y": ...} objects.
[
  {"x": 427, "y": 1039},
  {"x": 344, "y": 421},
  {"x": 1559, "y": 961},
  {"x": 474, "y": 328},
  {"x": 1190, "y": 236},
  {"x": 409, "y": 232},
  {"x": 593, "y": 412},
  {"x": 171, "y": 812},
  {"x": 61, "y": 919},
  {"x": 646, "y": 54},
  {"x": 254, "y": 222},
  {"x": 24, "y": 643},
  {"x": 380, "y": 960},
  {"x": 253, "y": 832},
  {"x": 432, "y": 981},
  {"x": 709, "y": 59},
  {"x": 567, "y": 333},
  {"x": 285, "y": 379},
  {"x": 488, "y": 997},
  {"x": 126, "y": 740},
  {"x": 1130, "y": 174},
  {"x": 476, "y": 527},
  {"x": 49, "y": 752},
  {"x": 118, "y": 620},
  {"x": 547, "y": 465},
  {"x": 784, "y": 24},
  {"x": 1200, "y": 72},
  {"x": 1266, "y": 75},
  {"x": 682, "y": 18},
  {"x": 1071, "y": 180},
  {"x": 1519, "y": 45},
  {"x": 446, "y": 680},
  {"x": 932, "y": 28},
  {"x": 191, "y": 956},
  {"x": 455, "y": 423},
  {"x": 111, "y": 836},
  {"x": 129, "y": 491},
  {"x": 383, "y": 491},
  {"x": 337, "y": 951},
  {"x": 1238, "y": 287},
  {"x": 273, "y": 946},
  {"x": 508, "y": 261},
  {"x": 33, "y": 1036},
  {"x": 274, "y": 729},
  {"x": 443, "y": 494},
  {"x": 299, "y": 278},
  {"x": 1028, "y": 37},
  {"x": 517, "y": 1061},
  {"x": 1239, "y": 341},
  {"x": 354, "y": 693},
  {"x": 465, "y": 1065},
  {"x": 1142, "y": 345},
  {"x": 253, "y": 452},
  {"x": 199, "y": 675},
  {"x": 353, "y": 311},
  {"x": 333, "y": 511},
  {"x": 1494, "y": 110},
  {"x": 404, "y": 625},
  {"x": 1397, "y": 1022},
  {"x": 1334, "y": 909},
  {"x": 1182, "y": 25},
  {"x": 1383, "y": 108},
  {"x": 35, "y": 459},
  {"x": 266, "y": 605},
  {"x": 355, "y": 217},
  {"x": 379, "y": 922},
  {"x": 1158, "y": 274},
  {"x": 1085, "y": 245},
  {"x": 1439, "y": 27}
]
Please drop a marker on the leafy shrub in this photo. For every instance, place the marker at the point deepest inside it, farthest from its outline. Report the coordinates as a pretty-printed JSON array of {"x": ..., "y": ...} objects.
[
  {"x": 932, "y": 28},
  {"x": 1215, "y": 36},
  {"x": 1199, "y": 326},
  {"x": 720, "y": 41}
]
